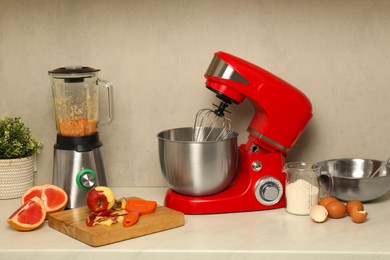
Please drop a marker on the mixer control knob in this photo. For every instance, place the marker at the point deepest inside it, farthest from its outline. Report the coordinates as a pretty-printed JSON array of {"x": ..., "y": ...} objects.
[
  {"x": 268, "y": 191},
  {"x": 86, "y": 179}
]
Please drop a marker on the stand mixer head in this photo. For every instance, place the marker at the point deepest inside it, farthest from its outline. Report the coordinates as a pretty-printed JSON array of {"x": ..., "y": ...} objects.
[{"x": 281, "y": 110}]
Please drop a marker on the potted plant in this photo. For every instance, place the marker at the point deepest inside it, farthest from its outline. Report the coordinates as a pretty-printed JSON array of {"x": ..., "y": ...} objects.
[{"x": 17, "y": 157}]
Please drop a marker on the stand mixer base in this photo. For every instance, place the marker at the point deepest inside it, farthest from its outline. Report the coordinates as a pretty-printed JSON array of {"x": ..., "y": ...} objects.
[
  {"x": 213, "y": 204},
  {"x": 250, "y": 191}
]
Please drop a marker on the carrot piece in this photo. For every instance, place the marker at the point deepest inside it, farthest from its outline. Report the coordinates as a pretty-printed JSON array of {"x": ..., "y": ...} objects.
[
  {"x": 130, "y": 218},
  {"x": 142, "y": 206}
]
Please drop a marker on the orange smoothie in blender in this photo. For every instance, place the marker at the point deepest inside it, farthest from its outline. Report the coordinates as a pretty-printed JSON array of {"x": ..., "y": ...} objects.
[{"x": 77, "y": 127}]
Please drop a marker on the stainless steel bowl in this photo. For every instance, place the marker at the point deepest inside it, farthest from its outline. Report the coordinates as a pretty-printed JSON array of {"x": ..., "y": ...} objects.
[
  {"x": 351, "y": 181},
  {"x": 197, "y": 168}
]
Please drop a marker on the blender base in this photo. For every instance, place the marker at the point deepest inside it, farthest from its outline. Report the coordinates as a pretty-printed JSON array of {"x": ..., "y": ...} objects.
[
  {"x": 250, "y": 191},
  {"x": 78, "y": 167}
]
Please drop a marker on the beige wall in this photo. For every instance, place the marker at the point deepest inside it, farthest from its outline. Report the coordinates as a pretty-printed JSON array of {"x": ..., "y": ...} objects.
[{"x": 155, "y": 54}]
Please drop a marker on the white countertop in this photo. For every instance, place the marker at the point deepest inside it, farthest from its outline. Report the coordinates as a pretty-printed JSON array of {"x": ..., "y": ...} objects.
[{"x": 249, "y": 235}]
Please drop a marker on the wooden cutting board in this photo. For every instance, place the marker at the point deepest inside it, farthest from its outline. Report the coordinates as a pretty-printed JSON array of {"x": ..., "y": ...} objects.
[{"x": 72, "y": 223}]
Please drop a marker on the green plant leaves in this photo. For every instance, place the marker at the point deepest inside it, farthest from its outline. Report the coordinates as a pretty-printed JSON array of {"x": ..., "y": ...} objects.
[{"x": 16, "y": 140}]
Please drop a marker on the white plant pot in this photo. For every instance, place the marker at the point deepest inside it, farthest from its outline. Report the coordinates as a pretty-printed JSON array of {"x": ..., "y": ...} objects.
[{"x": 16, "y": 177}]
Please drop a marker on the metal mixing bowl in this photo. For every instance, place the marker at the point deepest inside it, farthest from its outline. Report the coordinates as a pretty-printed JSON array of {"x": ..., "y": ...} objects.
[
  {"x": 351, "y": 181},
  {"x": 197, "y": 168}
]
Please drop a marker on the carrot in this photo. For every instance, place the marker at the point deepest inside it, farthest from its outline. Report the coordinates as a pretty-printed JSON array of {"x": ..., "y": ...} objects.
[
  {"x": 142, "y": 206},
  {"x": 130, "y": 218}
]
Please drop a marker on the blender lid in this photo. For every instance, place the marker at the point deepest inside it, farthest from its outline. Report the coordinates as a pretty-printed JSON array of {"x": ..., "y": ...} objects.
[{"x": 73, "y": 71}]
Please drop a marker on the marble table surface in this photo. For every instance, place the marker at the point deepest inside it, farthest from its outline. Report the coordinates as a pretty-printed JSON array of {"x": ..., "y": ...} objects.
[{"x": 247, "y": 235}]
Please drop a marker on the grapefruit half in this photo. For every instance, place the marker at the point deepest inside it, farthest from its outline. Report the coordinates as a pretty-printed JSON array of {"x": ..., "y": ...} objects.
[
  {"x": 29, "y": 216},
  {"x": 53, "y": 197}
]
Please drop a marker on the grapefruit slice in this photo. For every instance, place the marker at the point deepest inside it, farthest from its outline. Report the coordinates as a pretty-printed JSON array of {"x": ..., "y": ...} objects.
[
  {"x": 53, "y": 197},
  {"x": 29, "y": 216}
]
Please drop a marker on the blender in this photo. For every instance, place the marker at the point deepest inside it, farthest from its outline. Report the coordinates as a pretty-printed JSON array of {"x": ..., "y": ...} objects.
[{"x": 78, "y": 164}]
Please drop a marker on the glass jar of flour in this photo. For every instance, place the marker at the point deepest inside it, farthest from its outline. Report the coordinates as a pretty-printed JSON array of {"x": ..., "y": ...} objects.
[{"x": 303, "y": 186}]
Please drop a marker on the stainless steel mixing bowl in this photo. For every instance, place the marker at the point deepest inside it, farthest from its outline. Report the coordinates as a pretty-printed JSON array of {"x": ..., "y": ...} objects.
[
  {"x": 351, "y": 181},
  {"x": 197, "y": 168}
]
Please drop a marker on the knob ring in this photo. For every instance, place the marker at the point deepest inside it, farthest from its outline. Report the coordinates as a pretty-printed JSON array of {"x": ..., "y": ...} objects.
[
  {"x": 81, "y": 174},
  {"x": 262, "y": 185}
]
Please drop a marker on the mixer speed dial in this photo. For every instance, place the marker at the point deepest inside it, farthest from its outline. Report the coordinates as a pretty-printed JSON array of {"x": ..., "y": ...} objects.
[{"x": 268, "y": 191}]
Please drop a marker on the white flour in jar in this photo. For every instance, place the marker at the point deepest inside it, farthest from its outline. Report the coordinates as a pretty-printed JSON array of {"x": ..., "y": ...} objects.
[{"x": 300, "y": 197}]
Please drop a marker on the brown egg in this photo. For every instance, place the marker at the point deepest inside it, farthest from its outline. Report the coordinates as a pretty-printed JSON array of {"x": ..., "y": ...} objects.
[
  {"x": 336, "y": 209},
  {"x": 318, "y": 213},
  {"x": 354, "y": 204},
  {"x": 326, "y": 200},
  {"x": 358, "y": 216}
]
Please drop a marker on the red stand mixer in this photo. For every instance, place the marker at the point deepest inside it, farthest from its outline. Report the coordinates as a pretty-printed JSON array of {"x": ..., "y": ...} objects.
[{"x": 281, "y": 114}]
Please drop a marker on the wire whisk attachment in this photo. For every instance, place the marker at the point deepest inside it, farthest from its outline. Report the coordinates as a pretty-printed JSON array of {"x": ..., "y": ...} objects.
[{"x": 212, "y": 125}]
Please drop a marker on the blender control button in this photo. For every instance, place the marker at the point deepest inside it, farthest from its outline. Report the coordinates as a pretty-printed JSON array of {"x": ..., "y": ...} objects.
[
  {"x": 86, "y": 179},
  {"x": 268, "y": 191}
]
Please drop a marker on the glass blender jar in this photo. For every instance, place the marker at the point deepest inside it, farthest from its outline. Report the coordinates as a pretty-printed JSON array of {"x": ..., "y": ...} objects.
[{"x": 78, "y": 163}]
